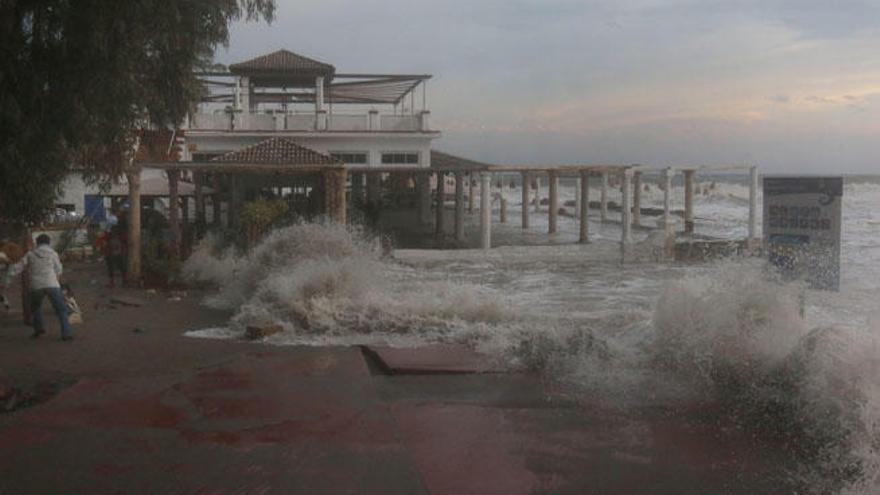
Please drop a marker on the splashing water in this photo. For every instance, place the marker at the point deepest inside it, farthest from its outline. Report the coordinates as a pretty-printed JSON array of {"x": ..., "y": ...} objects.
[
  {"x": 728, "y": 333},
  {"x": 319, "y": 280}
]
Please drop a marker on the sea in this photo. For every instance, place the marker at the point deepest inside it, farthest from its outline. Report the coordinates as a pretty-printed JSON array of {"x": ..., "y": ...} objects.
[{"x": 731, "y": 330}]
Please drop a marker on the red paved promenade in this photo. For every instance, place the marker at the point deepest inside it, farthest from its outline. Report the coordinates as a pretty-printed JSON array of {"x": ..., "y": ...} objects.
[{"x": 150, "y": 411}]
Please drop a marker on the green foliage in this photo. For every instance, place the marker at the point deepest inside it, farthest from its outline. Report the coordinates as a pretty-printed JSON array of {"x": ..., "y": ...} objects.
[
  {"x": 161, "y": 266},
  {"x": 77, "y": 78},
  {"x": 258, "y": 215}
]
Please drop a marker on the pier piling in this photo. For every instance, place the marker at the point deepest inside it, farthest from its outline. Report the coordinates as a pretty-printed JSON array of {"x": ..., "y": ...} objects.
[
  {"x": 688, "y": 201},
  {"x": 554, "y": 201},
  {"x": 637, "y": 198},
  {"x": 753, "y": 203},
  {"x": 626, "y": 215},
  {"x": 584, "y": 206},
  {"x": 485, "y": 212},
  {"x": 525, "y": 200},
  {"x": 603, "y": 198}
]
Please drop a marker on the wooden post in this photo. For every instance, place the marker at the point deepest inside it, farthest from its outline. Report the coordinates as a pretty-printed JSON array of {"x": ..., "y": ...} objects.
[
  {"x": 689, "y": 201},
  {"x": 471, "y": 200},
  {"x": 577, "y": 198},
  {"x": 554, "y": 200},
  {"x": 133, "y": 274},
  {"x": 485, "y": 211},
  {"x": 584, "y": 207},
  {"x": 440, "y": 199},
  {"x": 201, "y": 218},
  {"x": 637, "y": 198},
  {"x": 26, "y": 313},
  {"x": 525, "y": 199},
  {"x": 459, "y": 206},
  {"x": 173, "y": 210},
  {"x": 184, "y": 212},
  {"x": 503, "y": 214},
  {"x": 603, "y": 198},
  {"x": 537, "y": 194},
  {"x": 753, "y": 203},
  {"x": 334, "y": 194}
]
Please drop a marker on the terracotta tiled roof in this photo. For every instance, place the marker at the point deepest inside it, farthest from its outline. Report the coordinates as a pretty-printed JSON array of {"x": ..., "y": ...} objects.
[
  {"x": 278, "y": 151},
  {"x": 445, "y": 161},
  {"x": 282, "y": 62}
]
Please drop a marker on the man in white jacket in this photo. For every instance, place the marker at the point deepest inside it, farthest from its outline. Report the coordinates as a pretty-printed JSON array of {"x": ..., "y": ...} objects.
[{"x": 44, "y": 269}]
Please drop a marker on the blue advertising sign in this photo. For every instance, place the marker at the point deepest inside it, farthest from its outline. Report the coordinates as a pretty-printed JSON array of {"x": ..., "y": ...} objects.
[{"x": 802, "y": 217}]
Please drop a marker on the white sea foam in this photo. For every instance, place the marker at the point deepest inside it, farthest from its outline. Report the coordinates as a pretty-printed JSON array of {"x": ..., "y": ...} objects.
[{"x": 316, "y": 279}]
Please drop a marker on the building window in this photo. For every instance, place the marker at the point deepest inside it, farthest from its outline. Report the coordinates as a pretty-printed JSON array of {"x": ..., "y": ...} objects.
[
  {"x": 400, "y": 158},
  {"x": 351, "y": 158}
]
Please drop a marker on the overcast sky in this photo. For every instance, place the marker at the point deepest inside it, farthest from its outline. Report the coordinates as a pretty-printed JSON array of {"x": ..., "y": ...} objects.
[{"x": 789, "y": 85}]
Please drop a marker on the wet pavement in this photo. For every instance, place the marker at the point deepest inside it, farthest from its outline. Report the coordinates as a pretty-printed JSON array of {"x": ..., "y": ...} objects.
[{"x": 155, "y": 412}]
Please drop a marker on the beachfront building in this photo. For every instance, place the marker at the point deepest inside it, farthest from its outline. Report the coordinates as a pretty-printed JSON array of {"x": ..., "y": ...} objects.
[
  {"x": 367, "y": 122},
  {"x": 287, "y": 126}
]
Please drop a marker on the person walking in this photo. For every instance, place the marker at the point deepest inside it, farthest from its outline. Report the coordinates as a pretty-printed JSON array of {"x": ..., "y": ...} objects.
[
  {"x": 112, "y": 245},
  {"x": 44, "y": 269}
]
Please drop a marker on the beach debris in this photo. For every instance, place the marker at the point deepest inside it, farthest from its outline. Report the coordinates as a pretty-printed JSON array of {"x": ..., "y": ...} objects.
[
  {"x": 137, "y": 330},
  {"x": 6, "y": 391},
  {"x": 12, "y": 401},
  {"x": 255, "y": 332},
  {"x": 127, "y": 301}
]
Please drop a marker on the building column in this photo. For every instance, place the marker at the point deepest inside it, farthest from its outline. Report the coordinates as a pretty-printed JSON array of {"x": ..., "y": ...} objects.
[
  {"x": 374, "y": 186},
  {"x": 423, "y": 184},
  {"x": 584, "y": 205},
  {"x": 753, "y": 203},
  {"x": 688, "y": 201},
  {"x": 667, "y": 200},
  {"x": 133, "y": 275},
  {"x": 440, "y": 200},
  {"x": 334, "y": 194},
  {"x": 637, "y": 199},
  {"x": 525, "y": 199},
  {"x": 319, "y": 94},
  {"x": 174, "y": 209},
  {"x": 626, "y": 211},
  {"x": 459, "y": 206},
  {"x": 553, "y": 178},
  {"x": 485, "y": 211},
  {"x": 471, "y": 200},
  {"x": 603, "y": 198}
]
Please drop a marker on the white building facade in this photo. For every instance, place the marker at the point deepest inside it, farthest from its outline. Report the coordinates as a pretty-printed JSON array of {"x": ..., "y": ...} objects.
[{"x": 367, "y": 121}]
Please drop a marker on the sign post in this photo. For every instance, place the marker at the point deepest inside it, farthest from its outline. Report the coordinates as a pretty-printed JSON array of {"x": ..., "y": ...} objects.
[{"x": 802, "y": 217}]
